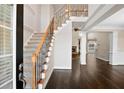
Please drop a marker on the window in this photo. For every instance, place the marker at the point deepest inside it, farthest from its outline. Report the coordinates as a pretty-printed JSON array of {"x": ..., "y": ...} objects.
[{"x": 6, "y": 44}]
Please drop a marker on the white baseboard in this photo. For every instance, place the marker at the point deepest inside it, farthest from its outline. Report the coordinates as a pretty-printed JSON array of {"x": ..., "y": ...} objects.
[
  {"x": 115, "y": 64},
  {"x": 62, "y": 68},
  {"x": 102, "y": 59},
  {"x": 83, "y": 63}
]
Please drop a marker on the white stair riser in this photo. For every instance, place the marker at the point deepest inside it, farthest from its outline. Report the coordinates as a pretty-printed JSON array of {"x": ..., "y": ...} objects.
[
  {"x": 45, "y": 66},
  {"x": 47, "y": 59},
  {"x": 42, "y": 75},
  {"x": 40, "y": 86}
]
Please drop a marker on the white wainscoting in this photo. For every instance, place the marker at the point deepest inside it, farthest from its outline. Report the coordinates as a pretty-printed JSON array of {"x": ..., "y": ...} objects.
[{"x": 118, "y": 58}]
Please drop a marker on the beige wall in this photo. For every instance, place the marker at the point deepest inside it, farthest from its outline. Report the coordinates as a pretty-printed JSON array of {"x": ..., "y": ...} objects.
[
  {"x": 103, "y": 47},
  {"x": 120, "y": 40}
]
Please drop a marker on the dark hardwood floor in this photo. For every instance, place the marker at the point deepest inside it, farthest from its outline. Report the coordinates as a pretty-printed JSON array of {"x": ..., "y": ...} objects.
[{"x": 97, "y": 74}]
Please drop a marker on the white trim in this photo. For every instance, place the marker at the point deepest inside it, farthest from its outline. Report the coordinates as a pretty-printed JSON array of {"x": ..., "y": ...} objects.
[
  {"x": 107, "y": 28},
  {"x": 6, "y": 83},
  {"x": 9, "y": 28},
  {"x": 14, "y": 46},
  {"x": 8, "y": 55},
  {"x": 57, "y": 67},
  {"x": 102, "y": 59}
]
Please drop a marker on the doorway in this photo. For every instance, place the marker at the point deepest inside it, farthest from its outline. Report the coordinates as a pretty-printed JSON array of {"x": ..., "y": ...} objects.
[
  {"x": 75, "y": 44},
  {"x": 76, "y": 51},
  {"x": 99, "y": 45}
]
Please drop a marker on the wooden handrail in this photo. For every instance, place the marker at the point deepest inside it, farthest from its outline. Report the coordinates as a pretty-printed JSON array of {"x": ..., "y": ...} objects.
[
  {"x": 60, "y": 18},
  {"x": 42, "y": 40},
  {"x": 37, "y": 51}
]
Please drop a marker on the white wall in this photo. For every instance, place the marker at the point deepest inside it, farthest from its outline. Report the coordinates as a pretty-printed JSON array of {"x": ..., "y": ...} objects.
[
  {"x": 63, "y": 48},
  {"x": 36, "y": 18},
  {"x": 32, "y": 22},
  {"x": 47, "y": 13},
  {"x": 83, "y": 48},
  {"x": 103, "y": 44}
]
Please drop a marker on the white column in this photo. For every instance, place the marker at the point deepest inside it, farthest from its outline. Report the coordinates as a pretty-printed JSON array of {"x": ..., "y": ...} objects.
[
  {"x": 114, "y": 52},
  {"x": 83, "y": 48},
  {"x": 118, "y": 48}
]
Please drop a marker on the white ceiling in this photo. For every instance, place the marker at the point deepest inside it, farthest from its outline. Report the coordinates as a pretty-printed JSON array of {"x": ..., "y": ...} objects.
[{"x": 114, "y": 21}]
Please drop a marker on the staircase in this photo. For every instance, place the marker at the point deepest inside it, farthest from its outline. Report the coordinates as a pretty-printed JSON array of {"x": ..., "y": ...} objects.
[
  {"x": 38, "y": 50},
  {"x": 28, "y": 51}
]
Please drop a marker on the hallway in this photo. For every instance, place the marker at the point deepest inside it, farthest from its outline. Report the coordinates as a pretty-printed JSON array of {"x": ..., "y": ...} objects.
[{"x": 97, "y": 74}]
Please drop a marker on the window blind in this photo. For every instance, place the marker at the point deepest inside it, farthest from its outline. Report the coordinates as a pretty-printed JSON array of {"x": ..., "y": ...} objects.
[{"x": 6, "y": 57}]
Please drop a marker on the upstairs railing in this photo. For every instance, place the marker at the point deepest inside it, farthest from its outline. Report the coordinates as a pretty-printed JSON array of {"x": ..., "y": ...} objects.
[
  {"x": 66, "y": 11},
  {"x": 39, "y": 57}
]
